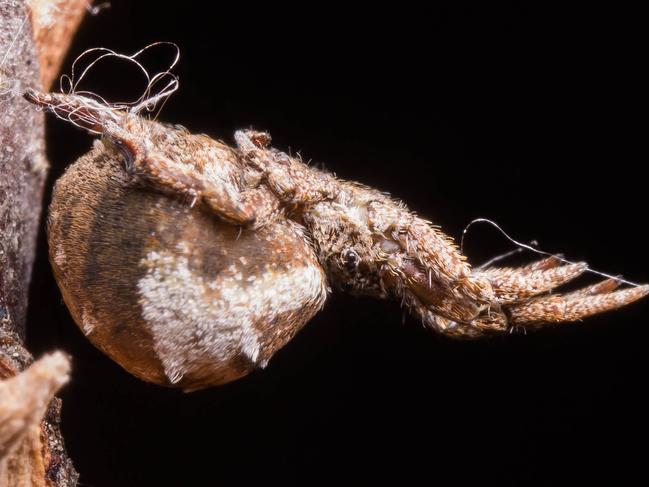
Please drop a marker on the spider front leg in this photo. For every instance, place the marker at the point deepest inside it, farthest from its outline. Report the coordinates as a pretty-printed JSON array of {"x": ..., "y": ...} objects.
[
  {"x": 526, "y": 293},
  {"x": 431, "y": 277},
  {"x": 423, "y": 267}
]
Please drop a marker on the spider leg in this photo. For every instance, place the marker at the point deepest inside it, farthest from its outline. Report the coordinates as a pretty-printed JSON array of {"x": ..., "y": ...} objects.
[
  {"x": 516, "y": 284},
  {"x": 574, "y": 306},
  {"x": 602, "y": 287},
  {"x": 517, "y": 290},
  {"x": 520, "y": 299},
  {"x": 209, "y": 185},
  {"x": 292, "y": 181},
  {"x": 541, "y": 311}
]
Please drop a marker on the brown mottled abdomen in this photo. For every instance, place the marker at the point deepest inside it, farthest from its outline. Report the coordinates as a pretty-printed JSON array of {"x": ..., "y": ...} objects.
[{"x": 171, "y": 293}]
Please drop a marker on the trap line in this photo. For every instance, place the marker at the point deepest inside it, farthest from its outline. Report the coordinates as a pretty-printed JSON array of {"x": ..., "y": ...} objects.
[{"x": 521, "y": 246}]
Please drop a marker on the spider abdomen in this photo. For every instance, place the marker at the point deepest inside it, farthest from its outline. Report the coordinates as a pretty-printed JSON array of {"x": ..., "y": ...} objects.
[{"x": 174, "y": 295}]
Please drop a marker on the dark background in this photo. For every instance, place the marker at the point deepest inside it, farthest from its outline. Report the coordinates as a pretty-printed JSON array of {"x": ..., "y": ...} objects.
[{"x": 526, "y": 115}]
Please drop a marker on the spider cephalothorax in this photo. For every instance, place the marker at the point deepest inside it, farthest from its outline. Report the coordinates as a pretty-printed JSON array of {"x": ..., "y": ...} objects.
[{"x": 191, "y": 262}]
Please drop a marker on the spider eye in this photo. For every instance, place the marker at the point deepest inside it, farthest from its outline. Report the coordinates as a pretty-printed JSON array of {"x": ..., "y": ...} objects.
[
  {"x": 350, "y": 259},
  {"x": 126, "y": 150}
]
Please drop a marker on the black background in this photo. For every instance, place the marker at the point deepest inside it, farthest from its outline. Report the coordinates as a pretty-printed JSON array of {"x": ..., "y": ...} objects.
[{"x": 526, "y": 115}]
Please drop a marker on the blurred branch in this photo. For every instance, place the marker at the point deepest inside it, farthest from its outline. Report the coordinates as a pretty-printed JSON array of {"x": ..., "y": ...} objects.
[
  {"x": 24, "y": 400},
  {"x": 54, "y": 23}
]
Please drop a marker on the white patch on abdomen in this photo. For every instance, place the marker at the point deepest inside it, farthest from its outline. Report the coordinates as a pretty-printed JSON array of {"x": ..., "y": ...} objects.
[
  {"x": 88, "y": 323},
  {"x": 59, "y": 256},
  {"x": 197, "y": 323}
]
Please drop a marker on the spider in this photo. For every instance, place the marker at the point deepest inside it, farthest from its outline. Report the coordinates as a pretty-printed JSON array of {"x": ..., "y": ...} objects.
[{"x": 190, "y": 262}]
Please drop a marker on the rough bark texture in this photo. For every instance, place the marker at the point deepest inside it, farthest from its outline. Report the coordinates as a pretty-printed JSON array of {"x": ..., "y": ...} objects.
[
  {"x": 22, "y": 162},
  {"x": 23, "y": 167}
]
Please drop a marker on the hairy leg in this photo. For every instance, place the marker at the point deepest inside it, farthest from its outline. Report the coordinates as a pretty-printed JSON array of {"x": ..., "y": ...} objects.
[{"x": 218, "y": 190}]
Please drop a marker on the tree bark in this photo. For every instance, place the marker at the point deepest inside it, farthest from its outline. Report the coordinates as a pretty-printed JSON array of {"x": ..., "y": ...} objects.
[{"x": 34, "y": 35}]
